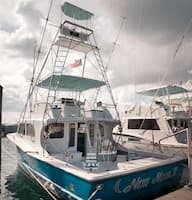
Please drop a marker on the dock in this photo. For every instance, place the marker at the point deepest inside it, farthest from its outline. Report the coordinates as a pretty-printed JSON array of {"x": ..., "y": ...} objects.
[
  {"x": 183, "y": 193},
  {"x": 1, "y": 94}
]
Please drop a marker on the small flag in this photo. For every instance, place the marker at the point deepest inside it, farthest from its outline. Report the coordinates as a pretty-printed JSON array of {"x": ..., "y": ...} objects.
[
  {"x": 77, "y": 63},
  {"x": 69, "y": 68}
]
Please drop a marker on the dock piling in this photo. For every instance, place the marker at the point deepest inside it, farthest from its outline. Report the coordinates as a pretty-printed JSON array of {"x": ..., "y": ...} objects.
[{"x": 189, "y": 141}]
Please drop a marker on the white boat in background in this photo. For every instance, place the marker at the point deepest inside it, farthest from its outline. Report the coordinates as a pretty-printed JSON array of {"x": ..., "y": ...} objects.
[
  {"x": 66, "y": 146},
  {"x": 161, "y": 126}
]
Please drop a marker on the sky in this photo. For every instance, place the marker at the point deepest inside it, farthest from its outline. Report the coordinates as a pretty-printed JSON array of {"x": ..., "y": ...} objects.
[{"x": 140, "y": 36}]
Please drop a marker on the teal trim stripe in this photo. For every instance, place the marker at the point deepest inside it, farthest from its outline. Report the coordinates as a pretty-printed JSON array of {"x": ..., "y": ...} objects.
[{"x": 45, "y": 178}]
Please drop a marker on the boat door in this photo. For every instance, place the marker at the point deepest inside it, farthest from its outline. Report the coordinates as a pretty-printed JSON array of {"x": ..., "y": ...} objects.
[
  {"x": 72, "y": 131},
  {"x": 81, "y": 139}
]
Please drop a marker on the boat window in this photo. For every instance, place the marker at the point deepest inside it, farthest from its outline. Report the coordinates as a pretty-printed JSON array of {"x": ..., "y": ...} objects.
[
  {"x": 177, "y": 124},
  {"x": 101, "y": 128},
  {"x": 30, "y": 130},
  {"x": 81, "y": 128},
  {"x": 146, "y": 124},
  {"x": 55, "y": 130},
  {"x": 71, "y": 134},
  {"x": 21, "y": 128},
  {"x": 91, "y": 133}
]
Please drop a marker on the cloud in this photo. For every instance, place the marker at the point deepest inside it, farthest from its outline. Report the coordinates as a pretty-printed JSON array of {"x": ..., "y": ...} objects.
[
  {"x": 30, "y": 15},
  {"x": 7, "y": 25},
  {"x": 158, "y": 21},
  {"x": 8, "y": 18},
  {"x": 142, "y": 55},
  {"x": 148, "y": 40},
  {"x": 23, "y": 46},
  {"x": 150, "y": 64},
  {"x": 22, "y": 37},
  {"x": 12, "y": 101}
]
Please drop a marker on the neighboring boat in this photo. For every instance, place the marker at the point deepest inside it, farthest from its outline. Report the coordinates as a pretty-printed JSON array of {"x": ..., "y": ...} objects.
[
  {"x": 161, "y": 126},
  {"x": 8, "y": 128},
  {"x": 69, "y": 149}
]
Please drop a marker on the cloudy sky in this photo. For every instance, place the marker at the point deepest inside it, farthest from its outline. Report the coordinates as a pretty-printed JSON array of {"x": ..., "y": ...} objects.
[{"x": 143, "y": 55}]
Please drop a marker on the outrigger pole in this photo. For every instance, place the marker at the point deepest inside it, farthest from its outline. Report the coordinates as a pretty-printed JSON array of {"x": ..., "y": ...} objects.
[{"x": 31, "y": 87}]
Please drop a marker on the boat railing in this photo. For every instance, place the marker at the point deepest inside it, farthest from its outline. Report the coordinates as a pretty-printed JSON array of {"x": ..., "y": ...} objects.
[{"x": 177, "y": 133}]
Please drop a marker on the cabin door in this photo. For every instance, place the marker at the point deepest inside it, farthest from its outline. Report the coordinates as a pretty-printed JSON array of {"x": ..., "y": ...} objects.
[{"x": 81, "y": 143}]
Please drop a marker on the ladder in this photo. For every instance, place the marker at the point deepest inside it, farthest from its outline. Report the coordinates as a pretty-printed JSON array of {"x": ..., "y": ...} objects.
[
  {"x": 58, "y": 68},
  {"x": 91, "y": 155}
]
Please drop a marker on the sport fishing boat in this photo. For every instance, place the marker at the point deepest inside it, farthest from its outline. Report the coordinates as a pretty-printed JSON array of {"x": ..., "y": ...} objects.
[
  {"x": 65, "y": 142},
  {"x": 161, "y": 126}
]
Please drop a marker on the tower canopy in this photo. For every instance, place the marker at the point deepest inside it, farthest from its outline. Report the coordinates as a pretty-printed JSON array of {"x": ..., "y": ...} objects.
[
  {"x": 164, "y": 90},
  {"x": 75, "y": 12},
  {"x": 69, "y": 83}
]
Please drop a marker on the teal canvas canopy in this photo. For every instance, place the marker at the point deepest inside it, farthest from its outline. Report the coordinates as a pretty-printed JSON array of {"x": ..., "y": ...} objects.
[
  {"x": 164, "y": 90},
  {"x": 69, "y": 83},
  {"x": 75, "y": 12}
]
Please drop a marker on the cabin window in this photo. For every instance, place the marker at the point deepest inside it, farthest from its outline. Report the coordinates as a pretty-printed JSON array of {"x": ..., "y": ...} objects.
[
  {"x": 55, "y": 130},
  {"x": 71, "y": 134},
  {"x": 21, "y": 129},
  {"x": 91, "y": 133},
  {"x": 101, "y": 128},
  {"x": 81, "y": 128},
  {"x": 178, "y": 127},
  {"x": 146, "y": 124},
  {"x": 30, "y": 130},
  {"x": 177, "y": 124}
]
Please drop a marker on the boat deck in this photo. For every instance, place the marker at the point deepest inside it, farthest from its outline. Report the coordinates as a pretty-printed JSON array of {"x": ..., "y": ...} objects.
[
  {"x": 183, "y": 193},
  {"x": 139, "y": 163},
  {"x": 109, "y": 169},
  {"x": 116, "y": 168}
]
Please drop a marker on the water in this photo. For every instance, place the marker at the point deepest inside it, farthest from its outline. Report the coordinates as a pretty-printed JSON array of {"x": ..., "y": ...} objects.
[{"x": 15, "y": 185}]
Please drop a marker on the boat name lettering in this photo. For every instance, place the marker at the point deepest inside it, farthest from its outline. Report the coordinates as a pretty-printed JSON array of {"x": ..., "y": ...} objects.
[
  {"x": 140, "y": 183},
  {"x": 136, "y": 184},
  {"x": 162, "y": 176}
]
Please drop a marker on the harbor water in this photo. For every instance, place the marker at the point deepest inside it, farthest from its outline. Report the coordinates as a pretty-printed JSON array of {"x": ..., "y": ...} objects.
[{"x": 15, "y": 185}]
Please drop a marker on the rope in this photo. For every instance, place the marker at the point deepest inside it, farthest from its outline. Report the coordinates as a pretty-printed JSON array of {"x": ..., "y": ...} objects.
[
  {"x": 112, "y": 51},
  {"x": 43, "y": 34},
  {"x": 182, "y": 39},
  {"x": 98, "y": 188},
  {"x": 140, "y": 14},
  {"x": 179, "y": 44},
  {"x": 37, "y": 79},
  {"x": 39, "y": 182},
  {"x": 105, "y": 77},
  {"x": 32, "y": 174},
  {"x": 115, "y": 43}
]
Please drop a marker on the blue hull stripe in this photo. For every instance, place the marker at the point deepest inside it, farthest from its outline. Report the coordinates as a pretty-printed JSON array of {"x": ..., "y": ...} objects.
[
  {"x": 146, "y": 183},
  {"x": 46, "y": 179}
]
